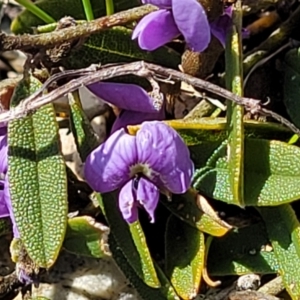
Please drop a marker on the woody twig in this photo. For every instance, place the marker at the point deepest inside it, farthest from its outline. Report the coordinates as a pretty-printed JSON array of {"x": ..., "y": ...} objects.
[
  {"x": 49, "y": 40},
  {"x": 97, "y": 73}
]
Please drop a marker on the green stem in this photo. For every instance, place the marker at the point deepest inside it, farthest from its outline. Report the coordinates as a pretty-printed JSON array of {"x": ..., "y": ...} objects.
[
  {"x": 88, "y": 10},
  {"x": 51, "y": 27},
  {"x": 36, "y": 11},
  {"x": 109, "y": 7}
]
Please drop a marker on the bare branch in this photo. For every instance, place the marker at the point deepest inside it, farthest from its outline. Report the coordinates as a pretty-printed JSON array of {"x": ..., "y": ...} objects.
[{"x": 95, "y": 73}]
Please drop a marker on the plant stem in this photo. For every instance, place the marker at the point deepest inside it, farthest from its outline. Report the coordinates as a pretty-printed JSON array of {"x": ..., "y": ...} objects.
[
  {"x": 109, "y": 7},
  {"x": 36, "y": 11},
  {"x": 48, "y": 40},
  {"x": 88, "y": 10}
]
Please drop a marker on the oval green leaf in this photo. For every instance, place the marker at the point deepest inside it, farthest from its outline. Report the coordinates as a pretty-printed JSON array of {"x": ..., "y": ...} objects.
[
  {"x": 37, "y": 178},
  {"x": 284, "y": 232},
  {"x": 272, "y": 174},
  {"x": 115, "y": 45}
]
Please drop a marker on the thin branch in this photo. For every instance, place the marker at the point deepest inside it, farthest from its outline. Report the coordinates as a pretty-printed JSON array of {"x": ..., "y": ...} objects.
[
  {"x": 93, "y": 74},
  {"x": 48, "y": 40}
]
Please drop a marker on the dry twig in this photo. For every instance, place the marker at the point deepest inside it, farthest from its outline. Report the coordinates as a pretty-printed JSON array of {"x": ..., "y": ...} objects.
[
  {"x": 48, "y": 40},
  {"x": 140, "y": 68}
]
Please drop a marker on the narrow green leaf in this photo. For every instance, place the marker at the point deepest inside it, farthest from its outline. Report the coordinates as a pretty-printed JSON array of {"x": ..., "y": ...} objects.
[
  {"x": 116, "y": 45},
  {"x": 139, "y": 240},
  {"x": 88, "y": 10},
  {"x": 215, "y": 129},
  {"x": 235, "y": 113},
  {"x": 185, "y": 208},
  {"x": 36, "y": 10},
  {"x": 37, "y": 178},
  {"x": 184, "y": 257},
  {"x": 146, "y": 292},
  {"x": 87, "y": 237},
  {"x": 26, "y": 21},
  {"x": 272, "y": 174},
  {"x": 246, "y": 250},
  {"x": 284, "y": 232},
  {"x": 85, "y": 138},
  {"x": 121, "y": 232},
  {"x": 109, "y": 7}
]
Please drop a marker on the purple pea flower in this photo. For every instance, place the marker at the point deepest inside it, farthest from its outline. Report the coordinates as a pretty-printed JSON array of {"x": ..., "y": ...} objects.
[
  {"x": 5, "y": 202},
  {"x": 220, "y": 26},
  {"x": 6, "y": 209},
  {"x": 154, "y": 160},
  {"x": 174, "y": 17},
  {"x": 177, "y": 17},
  {"x": 137, "y": 106}
]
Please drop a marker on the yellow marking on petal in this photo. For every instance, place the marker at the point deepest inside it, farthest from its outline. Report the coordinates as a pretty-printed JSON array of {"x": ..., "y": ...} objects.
[{"x": 133, "y": 129}]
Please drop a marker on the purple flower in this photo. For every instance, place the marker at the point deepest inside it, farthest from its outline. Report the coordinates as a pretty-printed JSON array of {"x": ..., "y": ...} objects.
[
  {"x": 154, "y": 160},
  {"x": 5, "y": 202},
  {"x": 220, "y": 26},
  {"x": 137, "y": 106},
  {"x": 128, "y": 117},
  {"x": 124, "y": 95},
  {"x": 175, "y": 17}
]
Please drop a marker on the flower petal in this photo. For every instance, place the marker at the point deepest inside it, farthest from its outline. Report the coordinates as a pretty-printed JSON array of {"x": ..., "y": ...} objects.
[
  {"x": 127, "y": 203},
  {"x": 220, "y": 26},
  {"x": 4, "y": 212},
  {"x": 3, "y": 150},
  {"x": 125, "y": 96},
  {"x": 191, "y": 20},
  {"x": 3, "y": 208},
  {"x": 108, "y": 166},
  {"x": 159, "y": 3},
  {"x": 162, "y": 149},
  {"x": 128, "y": 117},
  {"x": 155, "y": 30},
  {"x": 10, "y": 209},
  {"x": 148, "y": 196}
]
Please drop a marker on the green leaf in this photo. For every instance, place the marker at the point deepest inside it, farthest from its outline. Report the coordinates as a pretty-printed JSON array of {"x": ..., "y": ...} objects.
[
  {"x": 185, "y": 208},
  {"x": 284, "y": 232},
  {"x": 139, "y": 240},
  {"x": 87, "y": 237},
  {"x": 115, "y": 45},
  {"x": 246, "y": 250},
  {"x": 121, "y": 232},
  {"x": 184, "y": 257},
  {"x": 215, "y": 130},
  {"x": 26, "y": 21},
  {"x": 146, "y": 292},
  {"x": 272, "y": 174},
  {"x": 235, "y": 113},
  {"x": 85, "y": 138},
  {"x": 37, "y": 178},
  {"x": 291, "y": 85}
]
